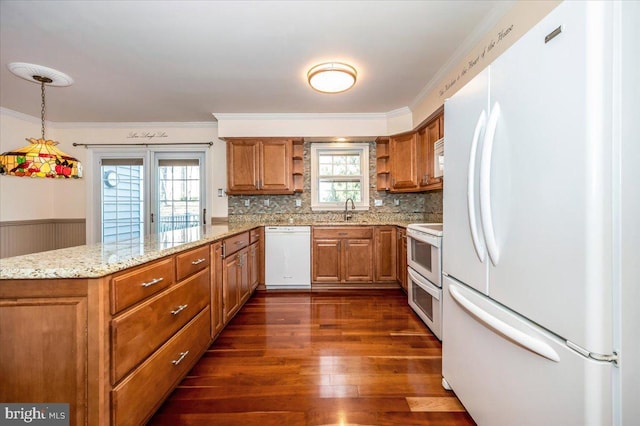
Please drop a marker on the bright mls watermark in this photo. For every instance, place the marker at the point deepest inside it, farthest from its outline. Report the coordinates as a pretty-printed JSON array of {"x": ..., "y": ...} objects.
[{"x": 36, "y": 414}]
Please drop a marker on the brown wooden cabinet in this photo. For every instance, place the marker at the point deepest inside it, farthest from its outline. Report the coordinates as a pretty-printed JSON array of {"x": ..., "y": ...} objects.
[
  {"x": 386, "y": 253},
  {"x": 263, "y": 166},
  {"x": 255, "y": 260},
  {"x": 342, "y": 255},
  {"x": 217, "y": 321},
  {"x": 402, "y": 258},
  {"x": 405, "y": 162},
  {"x": 235, "y": 274},
  {"x": 44, "y": 350},
  {"x": 403, "y": 156},
  {"x": 114, "y": 347},
  {"x": 431, "y": 133},
  {"x": 157, "y": 340}
]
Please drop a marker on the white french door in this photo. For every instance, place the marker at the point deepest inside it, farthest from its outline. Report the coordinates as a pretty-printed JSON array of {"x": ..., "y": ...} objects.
[
  {"x": 179, "y": 191},
  {"x": 149, "y": 192}
]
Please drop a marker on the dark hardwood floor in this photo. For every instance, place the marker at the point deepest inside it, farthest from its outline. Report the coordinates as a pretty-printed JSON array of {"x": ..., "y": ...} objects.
[{"x": 321, "y": 358}]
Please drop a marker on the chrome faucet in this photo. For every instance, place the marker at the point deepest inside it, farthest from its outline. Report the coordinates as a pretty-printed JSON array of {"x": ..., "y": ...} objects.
[{"x": 348, "y": 216}]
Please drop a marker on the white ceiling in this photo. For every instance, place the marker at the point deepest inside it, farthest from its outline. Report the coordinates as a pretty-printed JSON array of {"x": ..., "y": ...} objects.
[{"x": 181, "y": 61}]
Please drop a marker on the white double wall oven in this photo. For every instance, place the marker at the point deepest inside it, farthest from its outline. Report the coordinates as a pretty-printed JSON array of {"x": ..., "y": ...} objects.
[{"x": 424, "y": 274}]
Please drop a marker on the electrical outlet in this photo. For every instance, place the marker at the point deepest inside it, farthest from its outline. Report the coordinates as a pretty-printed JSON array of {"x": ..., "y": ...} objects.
[
  {"x": 266, "y": 202},
  {"x": 298, "y": 202},
  {"x": 246, "y": 203},
  {"x": 220, "y": 192},
  {"x": 377, "y": 203},
  {"x": 396, "y": 202}
]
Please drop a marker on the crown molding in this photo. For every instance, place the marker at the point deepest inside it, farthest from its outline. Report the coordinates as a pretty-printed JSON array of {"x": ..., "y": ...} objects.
[
  {"x": 110, "y": 125},
  {"x": 130, "y": 125},
  {"x": 300, "y": 116},
  {"x": 399, "y": 112},
  {"x": 21, "y": 116}
]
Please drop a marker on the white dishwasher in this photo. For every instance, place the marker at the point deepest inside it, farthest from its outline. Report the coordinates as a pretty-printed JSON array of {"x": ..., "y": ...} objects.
[{"x": 287, "y": 257}]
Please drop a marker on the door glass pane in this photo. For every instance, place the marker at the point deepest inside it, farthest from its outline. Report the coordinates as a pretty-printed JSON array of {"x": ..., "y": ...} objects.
[
  {"x": 423, "y": 299},
  {"x": 122, "y": 199},
  {"x": 179, "y": 203}
]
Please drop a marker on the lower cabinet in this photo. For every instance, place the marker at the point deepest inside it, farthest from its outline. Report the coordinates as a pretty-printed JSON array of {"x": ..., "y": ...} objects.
[
  {"x": 236, "y": 284},
  {"x": 43, "y": 349},
  {"x": 342, "y": 254},
  {"x": 402, "y": 258},
  {"x": 217, "y": 305},
  {"x": 231, "y": 285},
  {"x": 137, "y": 397},
  {"x": 386, "y": 254}
]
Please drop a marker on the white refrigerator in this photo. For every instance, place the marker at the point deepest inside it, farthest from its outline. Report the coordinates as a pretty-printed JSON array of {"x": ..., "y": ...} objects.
[{"x": 540, "y": 195}]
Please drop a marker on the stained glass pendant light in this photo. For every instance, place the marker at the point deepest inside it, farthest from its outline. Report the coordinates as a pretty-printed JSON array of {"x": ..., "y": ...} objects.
[{"x": 40, "y": 158}]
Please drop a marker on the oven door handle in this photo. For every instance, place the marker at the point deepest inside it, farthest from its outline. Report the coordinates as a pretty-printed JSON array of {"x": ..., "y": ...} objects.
[
  {"x": 425, "y": 286},
  {"x": 425, "y": 238}
]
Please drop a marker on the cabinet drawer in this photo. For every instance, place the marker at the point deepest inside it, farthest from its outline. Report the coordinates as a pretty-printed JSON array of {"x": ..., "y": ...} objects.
[
  {"x": 360, "y": 232},
  {"x": 254, "y": 235},
  {"x": 132, "y": 287},
  {"x": 138, "y": 332},
  {"x": 235, "y": 243},
  {"x": 191, "y": 261},
  {"x": 138, "y": 396}
]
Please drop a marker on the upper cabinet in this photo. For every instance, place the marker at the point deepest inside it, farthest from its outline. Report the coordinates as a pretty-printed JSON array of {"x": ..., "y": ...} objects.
[
  {"x": 264, "y": 166},
  {"x": 407, "y": 162},
  {"x": 429, "y": 135},
  {"x": 403, "y": 155}
]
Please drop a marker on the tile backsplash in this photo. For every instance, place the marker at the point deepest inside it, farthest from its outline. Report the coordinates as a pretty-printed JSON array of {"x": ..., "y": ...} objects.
[{"x": 424, "y": 206}]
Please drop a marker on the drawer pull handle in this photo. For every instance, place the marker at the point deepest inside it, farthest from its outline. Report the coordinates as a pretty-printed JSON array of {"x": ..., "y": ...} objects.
[
  {"x": 342, "y": 233},
  {"x": 179, "y": 360},
  {"x": 179, "y": 309},
  {"x": 198, "y": 261},
  {"x": 152, "y": 282},
  {"x": 239, "y": 242}
]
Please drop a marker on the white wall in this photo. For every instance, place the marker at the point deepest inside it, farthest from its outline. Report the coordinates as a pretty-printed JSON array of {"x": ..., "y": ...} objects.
[
  {"x": 29, "y": 198},
  {"x": 470, "y": 60},
  {"x": 25, "y": 198}
]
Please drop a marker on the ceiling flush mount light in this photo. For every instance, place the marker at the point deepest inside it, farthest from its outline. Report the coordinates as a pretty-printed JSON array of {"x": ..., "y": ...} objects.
[
  {"x": 332, "y": 77},
  {"x": 41, "y": 158}
]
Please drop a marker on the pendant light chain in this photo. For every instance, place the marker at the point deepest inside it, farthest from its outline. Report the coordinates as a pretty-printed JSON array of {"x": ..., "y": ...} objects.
[{"x": 42, "y": 109}]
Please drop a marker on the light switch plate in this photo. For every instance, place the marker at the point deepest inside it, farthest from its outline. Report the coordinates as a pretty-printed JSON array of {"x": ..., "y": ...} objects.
[
  {"x": 266, "y": 202},
  {"x": 246, "y": 203},
  {"x": 396, "y": 202},
  {"x": 298, "y": 202},
  {"x": 377, "y": 203}
]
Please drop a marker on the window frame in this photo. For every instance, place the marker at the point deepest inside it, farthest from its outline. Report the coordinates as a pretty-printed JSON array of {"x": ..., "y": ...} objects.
[{"x": 318, "y": 148}]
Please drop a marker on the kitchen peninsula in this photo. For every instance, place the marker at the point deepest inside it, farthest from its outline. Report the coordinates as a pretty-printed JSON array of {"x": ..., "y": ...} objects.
[{"x": 112, "y": 328}]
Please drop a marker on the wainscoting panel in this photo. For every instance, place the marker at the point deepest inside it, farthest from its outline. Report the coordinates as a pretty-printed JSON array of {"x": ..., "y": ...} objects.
[{"x": 33, "y": 236}]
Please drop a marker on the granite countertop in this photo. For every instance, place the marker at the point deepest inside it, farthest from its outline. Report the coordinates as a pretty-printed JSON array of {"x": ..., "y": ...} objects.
[{"x": 101, "y": 259}]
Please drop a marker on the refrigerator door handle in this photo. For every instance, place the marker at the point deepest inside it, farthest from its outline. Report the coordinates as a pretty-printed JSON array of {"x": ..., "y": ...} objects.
[
  {"x": 471, "y": 196},
  {"x": 500, "y": 327},
  {"x": 485, "y": 184}
]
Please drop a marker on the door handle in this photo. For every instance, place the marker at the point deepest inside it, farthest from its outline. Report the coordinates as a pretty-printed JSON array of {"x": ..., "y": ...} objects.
[
  {"x": 204, "y": 216},
  {"x": 471, "y": 178},
  {"x": 502, "y": 328},
  {"x": 485, "y": 185}
]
